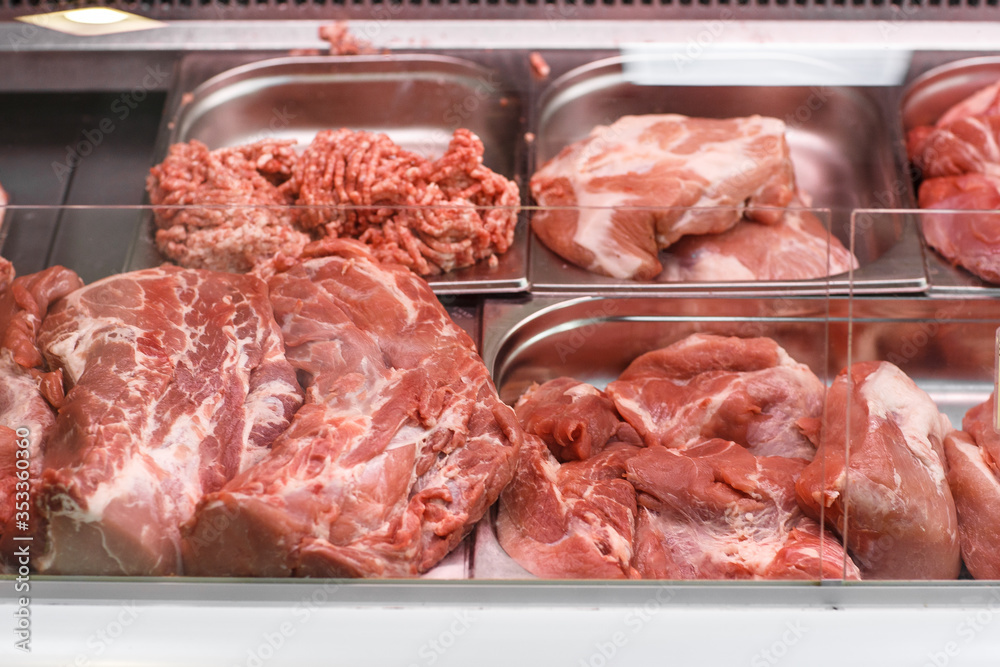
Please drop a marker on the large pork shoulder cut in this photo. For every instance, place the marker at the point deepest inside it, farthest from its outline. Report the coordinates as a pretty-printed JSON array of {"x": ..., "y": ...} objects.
[
  {"x": 746, "y": 390},
  {"x": 716, "y": 511},
  {"x": 882, "y": 483},
  {"x": 400, "y": 448},
  {"x": 974, "y": 476},
  {"x": 25, "y": 414},
  {"x": 617, "y": 197},
  {"x": 177, "y": 381}
]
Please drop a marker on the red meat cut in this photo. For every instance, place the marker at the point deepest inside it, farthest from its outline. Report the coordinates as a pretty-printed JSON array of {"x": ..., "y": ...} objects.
[
  {"x": 178, "y": 381},
  {"x": 574, "y": 419},
  {"x": 887, "y": 495},
  {"x": 974, "y": 478},
  {"x": 716, "y": 511},
  {"x": 573, "y": 520},
  {"x": 225, "y": 209},
  {"x": 401, "y": 447},
  {"x": 969, "y": 239},
  {"x": 747, "y": 390},
  {"x": 630, "y": 178},
  {"x": 798, "y": 247}
]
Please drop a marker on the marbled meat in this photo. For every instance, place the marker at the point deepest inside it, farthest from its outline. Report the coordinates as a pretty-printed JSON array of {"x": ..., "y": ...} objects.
[
  {"x": 399, "y": 450},
  {"x": 798, "y": 247},
  {"x": 716, "y": 511},
  {"x": 746, "y": 390},
  {"x": 177, "y": 381},
  {"x": 645, "y": 181}
]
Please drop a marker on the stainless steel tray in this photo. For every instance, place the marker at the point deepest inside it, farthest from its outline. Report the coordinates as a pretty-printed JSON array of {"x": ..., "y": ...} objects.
[
  {"x": 925, "y": 97},
  {"x": 945, "y": 345},
  {"x": 842, "y": 140},
  {"x": 417, "y": 100}
]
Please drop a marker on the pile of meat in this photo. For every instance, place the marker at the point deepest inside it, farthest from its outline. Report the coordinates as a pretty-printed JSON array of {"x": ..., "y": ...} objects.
[
  {"x": 332, "y": 421},
  {"x": 713, "y": 191},
  {"x": 959, "y": 160},
  {"x": 723, "y": 458},
  {"x": 237, "y": 209}
]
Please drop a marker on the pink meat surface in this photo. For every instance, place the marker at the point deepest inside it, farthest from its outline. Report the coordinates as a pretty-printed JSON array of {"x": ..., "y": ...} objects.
[
  {"x": 747, "y": 390},
  {"x": 26, "y": 391},
  {"x": 626, "y": 177},
  {"x": 974, "y": 477},
  {"x": 573, "y": 520},
  {"x": 716, "y": 511},
  {"x": 401, "y": 447},
  {"x": 798, "y": 247},
  {"x": 225, "y": 209},
  {"x": 433, "y": 217},
  {"x": 960, "y": 159},
  {"x": 971, "y": 240},
  {"x": 887, "y": 495},
  {"x": 178, "y": 381},
  {"x": 573, "y": 418}
]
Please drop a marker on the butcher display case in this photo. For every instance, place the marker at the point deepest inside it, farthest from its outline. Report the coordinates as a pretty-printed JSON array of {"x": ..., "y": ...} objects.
[{"x": 87, "y": 115}]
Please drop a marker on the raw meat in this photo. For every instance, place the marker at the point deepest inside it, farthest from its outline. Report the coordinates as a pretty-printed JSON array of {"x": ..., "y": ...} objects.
[
  {"x": 23, "y": 305},
  {"x": 6, "y": 274},
  {"x": 969, "y": 239},
  {"x": 575, "y": 420},
  {"x": 24, "y": 388},
  {"x": 433, "y": 217},
  {"x": 747, "y": 390},
  {"x": 342, "y": 42},
  {"x": 887, "y": 496},
  {"x": 22, "y": 406},
  {"x": 960, "y": 159},
  {"x": 715, "y": 511},
  {"x": 178, "y": 381},
  {"x": 225, "y": 209},
  {"x": 796, "y": 248},
  {"x": 974, "y": 478},
  {"x": 965, "y": 146},
  {"x": 401, "y": 447},
  {"x": 627, "y": 176},
  {"x": 573, "y": 520}
]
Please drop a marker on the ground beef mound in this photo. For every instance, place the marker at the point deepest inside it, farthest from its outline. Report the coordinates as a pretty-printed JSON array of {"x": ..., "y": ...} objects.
[
  {"x": 431, "y": 216},
  {"x": 217, "y": 224}
]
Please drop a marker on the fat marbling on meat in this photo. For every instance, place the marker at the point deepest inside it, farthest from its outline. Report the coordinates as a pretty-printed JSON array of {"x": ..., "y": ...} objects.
[
  {"x": 24, "y": 388},
  {"x": 631, "y": 178},
  {"x": 974, "y": 477},
  {"x": 797, "y": 247},
  {"x": 178, "y": 381},
  {"x": 400, "y": 448},
  {"x": 879, "y": 475},
  {"x": 747, "y": 390},
  {"x": 569, "y": 513},
  {"x": 716, "y": 511}
]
